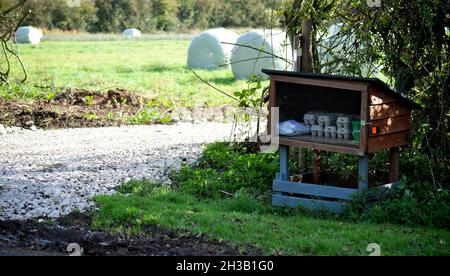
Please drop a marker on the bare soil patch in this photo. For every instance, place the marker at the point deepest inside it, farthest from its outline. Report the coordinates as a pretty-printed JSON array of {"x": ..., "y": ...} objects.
[
  {"x": 73, "y": 108},
  {"x": 38, "y": 238},
  {"x": 79, "y": 108}
]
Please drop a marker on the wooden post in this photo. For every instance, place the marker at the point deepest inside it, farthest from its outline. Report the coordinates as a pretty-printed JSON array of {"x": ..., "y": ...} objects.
[
  {"x": 363, "y": 172},
  {"x": 298, "y": 68},
  {"x": 307, "y": 53},
  {"x": 284, "y": 162},
  {"x": 394, "y": 157},
  {"x": 306, "y": 66},
  {"x": 298, "y": 56}
]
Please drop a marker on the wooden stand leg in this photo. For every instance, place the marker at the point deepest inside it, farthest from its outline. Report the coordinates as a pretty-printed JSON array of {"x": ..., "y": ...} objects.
[
  {"x": 284, "y": 162},
  {"x": 316, "y": 167},
  {"x": 394, "y": 157},
  {"x": 363, "y": 172}
]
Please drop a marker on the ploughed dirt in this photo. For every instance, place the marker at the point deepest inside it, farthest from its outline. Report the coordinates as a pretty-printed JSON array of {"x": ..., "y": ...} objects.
[
  {"x": 73, "y": 108},
  {"x": 39, "y": 238}
]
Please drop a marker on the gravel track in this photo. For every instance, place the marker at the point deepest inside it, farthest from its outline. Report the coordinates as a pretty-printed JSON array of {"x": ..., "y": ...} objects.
[{"x": 51, "y": 173}]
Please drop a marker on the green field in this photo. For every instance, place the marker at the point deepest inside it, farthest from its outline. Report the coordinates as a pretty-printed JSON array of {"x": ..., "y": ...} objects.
[{"x": 154, "y": 66}]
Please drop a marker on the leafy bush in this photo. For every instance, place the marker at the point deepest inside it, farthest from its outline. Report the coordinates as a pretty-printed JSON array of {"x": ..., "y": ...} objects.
[
  {"x": 344, "y": 166},
  {"x": 168, "y": 15},
  {"x": 223, "y": 169},
  {"x": 404, "y": 205}
]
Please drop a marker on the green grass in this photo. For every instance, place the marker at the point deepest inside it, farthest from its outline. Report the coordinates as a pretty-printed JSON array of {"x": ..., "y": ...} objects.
[
  {"x": 152, "y": 67},
  {"x": 197, "y": 202},
  {"x": 244, "y": 220}
]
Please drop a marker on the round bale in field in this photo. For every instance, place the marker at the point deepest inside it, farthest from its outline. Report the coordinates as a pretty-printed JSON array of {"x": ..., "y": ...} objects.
[
  {"x": 131, "y": 33},
  {"x": 41, "y": 34},
  {"x": 260, "y": 49},
  {"x": 211, "y": 49},
  {"x": 28, "y": 34}
]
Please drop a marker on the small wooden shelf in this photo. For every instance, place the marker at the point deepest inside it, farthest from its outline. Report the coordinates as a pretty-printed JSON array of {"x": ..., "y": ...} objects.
[
  {"x": 385, "y": 120},
  {"x": 322, "y": 143}
]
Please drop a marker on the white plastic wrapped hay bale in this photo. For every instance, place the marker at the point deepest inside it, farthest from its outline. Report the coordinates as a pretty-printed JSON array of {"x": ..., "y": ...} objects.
[
  {"x": 41, "y": 34},
  {"x": 29, "y": 35},
  {"x": 261, "y": 49},
  {"x": 132, "y": 32},
  {"x": 211, "y": 49}
]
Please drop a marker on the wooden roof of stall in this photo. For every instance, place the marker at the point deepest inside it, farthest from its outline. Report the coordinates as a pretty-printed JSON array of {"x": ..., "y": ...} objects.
[{"x": 372, "y": 81}]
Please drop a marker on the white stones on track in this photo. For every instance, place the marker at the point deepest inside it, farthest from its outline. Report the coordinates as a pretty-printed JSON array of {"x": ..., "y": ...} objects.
[{"x": 51, "y": 173}]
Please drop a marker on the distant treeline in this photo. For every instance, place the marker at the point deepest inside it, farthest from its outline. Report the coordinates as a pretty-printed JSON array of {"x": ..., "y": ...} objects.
[{"x": 109, "y": 16}]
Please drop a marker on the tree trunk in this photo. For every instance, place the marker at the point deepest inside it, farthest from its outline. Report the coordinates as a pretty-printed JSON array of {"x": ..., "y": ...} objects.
[{"x": 307, "y": 52}]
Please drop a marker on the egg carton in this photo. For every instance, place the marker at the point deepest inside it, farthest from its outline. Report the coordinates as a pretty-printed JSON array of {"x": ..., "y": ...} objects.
[
  {"x": 317, "y": 130},
  {"x": 326, "y": 119},
  {"x": 344, "y": 122},
  {"x": 330, "y": 131},
  {"x": 310, "y": 119},
  {"x": 343, "y": 134}
]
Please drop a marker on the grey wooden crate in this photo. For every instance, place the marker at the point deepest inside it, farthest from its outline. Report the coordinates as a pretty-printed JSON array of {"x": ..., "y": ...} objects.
[
  {"x": 312, "y": 189},
  {"x": 316, "y": 197},
  {"x": 308, "y": 203}
]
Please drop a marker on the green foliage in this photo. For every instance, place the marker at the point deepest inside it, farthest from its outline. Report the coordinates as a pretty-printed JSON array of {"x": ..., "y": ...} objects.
[
  {"x": 91, "y": 116},
  {"x": 407, "y": 43},
  {"x": 16, "y": 90},
  {"x": 148, "y": 116},
  {"x": 244, "y": 220},
  {"x": 138, "y": 187},
  {"x": 251, "y": 99},
  {"x": 410, "y": 40},
  {"x": 417, "y": 201},
  {"x": 50, "y": 96},
  {"x": 89, "y": 100},
  {"x": 253, "y": 95},
  {"x": 223, "y": 169},
  {"x": 57, "y": 14},
  {"x": 404, "y": 205},
  {"x": 247, "y": 176},
  {"x": 186, "y": 12},
  {"x": 245, "y": 217},
  {"x": 345, "y": 166},
  {"x": 167, "y": 15}
]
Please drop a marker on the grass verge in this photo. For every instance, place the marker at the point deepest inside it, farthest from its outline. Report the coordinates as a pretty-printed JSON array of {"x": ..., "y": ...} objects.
[
  {"x": 244, "y": 220},
  {"x": 200, "y": 201}
]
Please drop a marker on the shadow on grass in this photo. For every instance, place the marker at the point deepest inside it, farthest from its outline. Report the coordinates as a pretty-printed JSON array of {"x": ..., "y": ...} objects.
[
  {"x": 222, "y": 80},
  {"x": 162, "y": 68}
]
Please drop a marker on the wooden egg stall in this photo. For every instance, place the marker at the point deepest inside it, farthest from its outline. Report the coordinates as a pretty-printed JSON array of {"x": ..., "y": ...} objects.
[{"x": 336, "y": 107}]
